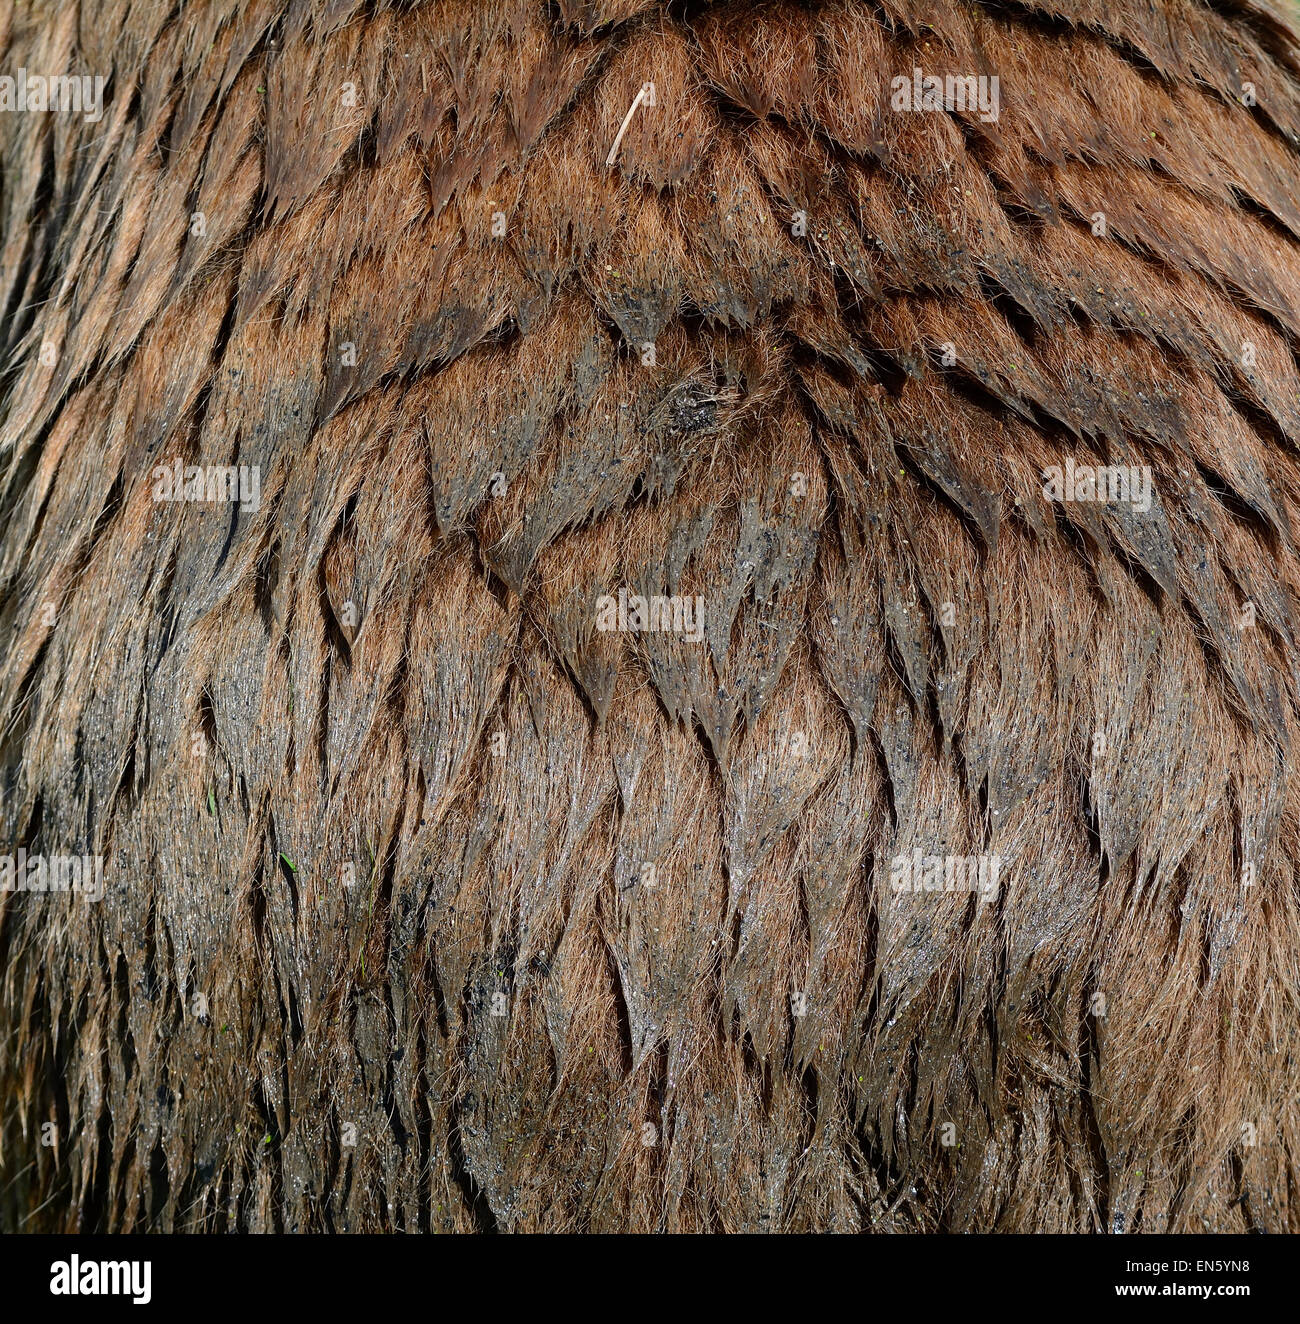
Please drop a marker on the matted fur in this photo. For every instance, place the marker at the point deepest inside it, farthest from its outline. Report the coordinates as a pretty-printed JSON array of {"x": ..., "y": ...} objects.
[{"x": 389, "y": 673}]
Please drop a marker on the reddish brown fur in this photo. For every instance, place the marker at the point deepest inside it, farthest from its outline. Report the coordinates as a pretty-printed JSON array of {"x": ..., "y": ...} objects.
[{"x": 234, "y": 708}]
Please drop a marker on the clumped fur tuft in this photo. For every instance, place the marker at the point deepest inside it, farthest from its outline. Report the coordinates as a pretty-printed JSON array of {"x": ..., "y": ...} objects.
[{"x": 430, "y": 905}]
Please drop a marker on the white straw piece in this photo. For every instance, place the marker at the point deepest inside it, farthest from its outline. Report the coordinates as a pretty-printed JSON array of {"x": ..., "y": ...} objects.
[{"x": 646, "y": 94}]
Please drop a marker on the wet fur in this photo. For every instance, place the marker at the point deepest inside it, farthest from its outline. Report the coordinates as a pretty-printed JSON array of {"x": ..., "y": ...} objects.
[{"x": 205, "y": 709}]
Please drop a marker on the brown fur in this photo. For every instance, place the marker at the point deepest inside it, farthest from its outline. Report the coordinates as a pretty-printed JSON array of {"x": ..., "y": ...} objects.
[{"x": 907, "y": 648}]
